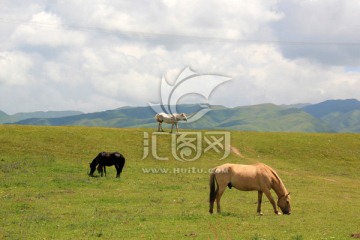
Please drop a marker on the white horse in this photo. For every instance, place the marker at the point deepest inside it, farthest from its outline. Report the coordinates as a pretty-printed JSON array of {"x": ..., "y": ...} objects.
[{"x": 172, "y": 119}]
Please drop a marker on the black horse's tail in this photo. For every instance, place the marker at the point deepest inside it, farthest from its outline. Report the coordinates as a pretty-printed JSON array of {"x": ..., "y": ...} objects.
[
  {"x": 122, "y": 162},
  {"x": 213, "y": 189}
]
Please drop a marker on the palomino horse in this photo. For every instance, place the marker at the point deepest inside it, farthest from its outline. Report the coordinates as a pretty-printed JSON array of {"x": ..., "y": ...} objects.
[
  {"x": 107, "y": 159},
  {"x": 258, "y": 177},
  {"x": 172, "y": 119}
]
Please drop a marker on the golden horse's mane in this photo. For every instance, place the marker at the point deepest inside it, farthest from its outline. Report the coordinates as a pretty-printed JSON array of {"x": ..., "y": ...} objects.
[{"x": 276, "y": 176}]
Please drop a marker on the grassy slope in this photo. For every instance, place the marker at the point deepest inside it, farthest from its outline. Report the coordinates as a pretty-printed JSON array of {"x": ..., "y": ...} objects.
[{"x": 46, "y": 194}]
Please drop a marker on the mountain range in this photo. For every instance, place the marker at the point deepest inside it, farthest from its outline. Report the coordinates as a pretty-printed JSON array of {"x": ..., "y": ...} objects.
[
  {"x": 5, "y": 118},
  {"x": 327, "y": 116}
]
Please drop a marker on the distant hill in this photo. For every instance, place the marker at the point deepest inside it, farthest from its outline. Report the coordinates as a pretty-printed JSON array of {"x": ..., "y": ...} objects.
[
  {"x": 121, "y": 117},
  {"x": 340, "y": 115},
  {"x": 5, "y": 118},
  {"x": 332, "y": 106},
  {"x": 328, "y": 116},
  {"x": 2, "y": 114}
]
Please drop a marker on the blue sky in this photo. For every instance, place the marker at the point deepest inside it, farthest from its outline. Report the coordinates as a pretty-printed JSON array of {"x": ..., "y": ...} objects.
[{"x": 98, "y": 55}]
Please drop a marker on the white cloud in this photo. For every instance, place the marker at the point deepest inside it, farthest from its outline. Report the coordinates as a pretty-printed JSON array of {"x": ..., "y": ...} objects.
[
  {"x": 326, "y": 31},
  {"x": 98, "y": 55},
  {"x": 14, "y": 68},
  {"x": 45, "y": 29}
]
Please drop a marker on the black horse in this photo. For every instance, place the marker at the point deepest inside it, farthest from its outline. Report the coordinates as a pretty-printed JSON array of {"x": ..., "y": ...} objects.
[{"x": 107, "y": 159}]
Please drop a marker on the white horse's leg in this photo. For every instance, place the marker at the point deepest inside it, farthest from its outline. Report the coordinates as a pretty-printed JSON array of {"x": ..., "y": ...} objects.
[
  {"x": 177, "y": 127},
  {"x": 160, "y": 127},
  {"x": 172, "y": 126}
]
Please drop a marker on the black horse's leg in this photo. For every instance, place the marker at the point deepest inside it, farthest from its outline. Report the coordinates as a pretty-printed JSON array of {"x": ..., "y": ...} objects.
[
  {"x": 117, "y": 171},
  {"x": 119, "y": 168},
  {"x": 105, "y": 170},
  {"x": 260, "y": 193}
]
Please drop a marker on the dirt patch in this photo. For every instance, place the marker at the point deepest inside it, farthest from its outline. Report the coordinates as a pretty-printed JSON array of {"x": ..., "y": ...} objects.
[
  {"x": 236, "y": 151},
  {"x": 191, "y": 234},
  {"x": 355, "y": 235}
]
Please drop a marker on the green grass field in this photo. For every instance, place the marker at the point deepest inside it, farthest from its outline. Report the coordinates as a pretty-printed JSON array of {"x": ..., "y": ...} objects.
[{"x": 45, "y": 192}]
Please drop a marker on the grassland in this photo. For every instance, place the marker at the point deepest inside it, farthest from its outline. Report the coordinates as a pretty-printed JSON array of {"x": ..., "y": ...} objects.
[{"x": 45, "y": 192}]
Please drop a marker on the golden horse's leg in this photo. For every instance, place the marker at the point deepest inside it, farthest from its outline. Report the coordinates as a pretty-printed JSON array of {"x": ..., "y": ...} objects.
[
  {"x": 260, "y": 193},
  {"x": 218, "y": 197},
  {"x": 211, "y": 207},
  {"x": 268, "y": 195}
]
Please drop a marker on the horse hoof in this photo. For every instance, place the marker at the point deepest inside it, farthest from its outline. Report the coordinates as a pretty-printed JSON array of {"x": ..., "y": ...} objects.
[{"x": 260, "y": 213}]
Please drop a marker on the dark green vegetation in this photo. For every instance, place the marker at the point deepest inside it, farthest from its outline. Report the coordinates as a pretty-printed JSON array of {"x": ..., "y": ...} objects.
[
  {"x": 45, "y": 192},
  {"x": 328, "y": 116}
]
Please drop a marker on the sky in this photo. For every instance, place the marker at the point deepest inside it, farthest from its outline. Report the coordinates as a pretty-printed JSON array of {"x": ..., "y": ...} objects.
[{"x": 101, "y": 54}]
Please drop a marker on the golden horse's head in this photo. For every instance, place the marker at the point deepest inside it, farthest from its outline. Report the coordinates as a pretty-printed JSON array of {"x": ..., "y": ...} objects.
[{"x": 284, "y": 204}]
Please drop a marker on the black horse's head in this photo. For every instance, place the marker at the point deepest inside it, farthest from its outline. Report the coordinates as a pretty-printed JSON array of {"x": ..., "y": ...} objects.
[{"x": 92, "y": 168}]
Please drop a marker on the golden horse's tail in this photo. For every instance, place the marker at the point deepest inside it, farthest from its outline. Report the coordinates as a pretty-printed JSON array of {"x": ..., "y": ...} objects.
[{"x": 213, "y": 189}]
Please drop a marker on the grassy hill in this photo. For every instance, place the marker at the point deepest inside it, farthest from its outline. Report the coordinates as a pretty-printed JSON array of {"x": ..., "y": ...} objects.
[
  {"x": 339, "y": 115},
  {"x": 330, "y": 106},
  {"x": 46, "y": 194},
  {"x": 263, "y": 117},
  {"x": 328, "y": 116}
]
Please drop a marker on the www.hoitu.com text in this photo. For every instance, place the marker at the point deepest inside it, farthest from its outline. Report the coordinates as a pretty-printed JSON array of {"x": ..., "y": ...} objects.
[{"x": 189, "y": 170}]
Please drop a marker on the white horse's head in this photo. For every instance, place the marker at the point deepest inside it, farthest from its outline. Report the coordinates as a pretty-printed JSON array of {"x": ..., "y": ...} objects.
[{"x": 181, "y": 116}]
